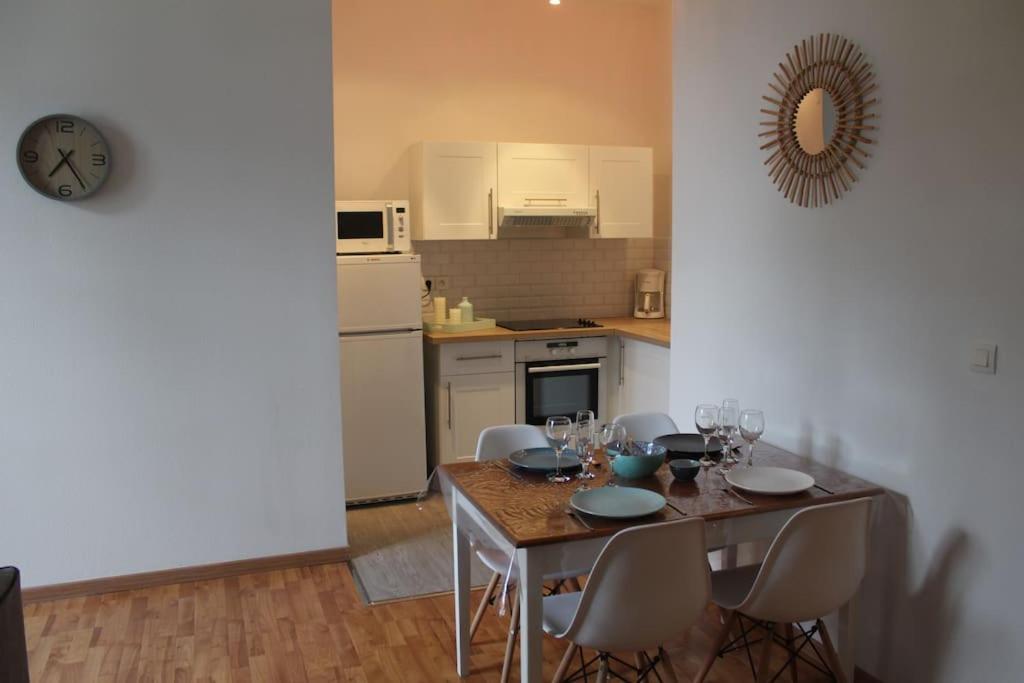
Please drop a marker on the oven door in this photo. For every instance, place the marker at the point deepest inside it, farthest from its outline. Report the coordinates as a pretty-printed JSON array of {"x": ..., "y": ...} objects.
[{"x": 560, "y": 387}]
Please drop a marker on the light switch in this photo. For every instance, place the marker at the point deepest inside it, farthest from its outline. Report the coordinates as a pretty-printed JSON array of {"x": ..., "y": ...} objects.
[{"x": 984, "y": 358}]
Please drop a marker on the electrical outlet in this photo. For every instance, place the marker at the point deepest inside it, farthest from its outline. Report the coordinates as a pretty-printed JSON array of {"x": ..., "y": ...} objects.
[{"x": 440, "y": 284}]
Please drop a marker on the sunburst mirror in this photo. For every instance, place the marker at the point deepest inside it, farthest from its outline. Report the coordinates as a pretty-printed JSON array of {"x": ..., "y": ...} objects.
[{"x": 820, "y": 121}]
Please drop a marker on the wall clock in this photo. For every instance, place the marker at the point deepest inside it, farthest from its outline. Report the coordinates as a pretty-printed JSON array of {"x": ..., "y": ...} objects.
[{"x": 63, "y": 157}]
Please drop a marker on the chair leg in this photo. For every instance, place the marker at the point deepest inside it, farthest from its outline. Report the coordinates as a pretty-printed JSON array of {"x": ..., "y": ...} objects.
[
  {"x": 764, "y": 664},
  {"x": 602, "y": 672},
  {"x": 510, "y": 644},
  {"x": 666, "y": 665},
  {"x": 830, "y": 652},
  {"x": 638, "y": 662},
  {"x": 789, "y": 646},
  {"x": 723, "y": 633},
  {"x": 484, "y": 601},
  {"x": 563, "y": 666}
]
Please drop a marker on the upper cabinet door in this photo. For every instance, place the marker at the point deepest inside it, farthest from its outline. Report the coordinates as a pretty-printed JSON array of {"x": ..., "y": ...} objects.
[
  {"x": 541, "y": 176},
  {"x": 622, "y": 191},
  {"x": 454, "y": 186}
]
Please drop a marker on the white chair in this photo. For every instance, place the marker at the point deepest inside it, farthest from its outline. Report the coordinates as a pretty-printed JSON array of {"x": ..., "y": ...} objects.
[
  {"x": 496, "y": 443},
  {"x": 647, "y": 426},
  {"x": 648, "y": 586},
  {"x": 813, "y": 567}
]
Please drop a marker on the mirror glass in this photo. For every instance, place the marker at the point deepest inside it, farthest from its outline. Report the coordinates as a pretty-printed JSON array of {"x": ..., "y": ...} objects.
[{"x": 815, "y": 121}]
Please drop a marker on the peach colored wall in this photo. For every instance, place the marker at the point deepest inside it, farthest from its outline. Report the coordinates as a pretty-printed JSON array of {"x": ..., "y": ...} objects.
[{"x": 588, "y": 71}]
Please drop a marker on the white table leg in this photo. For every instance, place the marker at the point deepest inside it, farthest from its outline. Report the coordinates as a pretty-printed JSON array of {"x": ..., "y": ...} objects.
[
  {"x": 462, "y": 557},
  {"x": 531, "y": 633},
  {"x": 846, "y": 645}
]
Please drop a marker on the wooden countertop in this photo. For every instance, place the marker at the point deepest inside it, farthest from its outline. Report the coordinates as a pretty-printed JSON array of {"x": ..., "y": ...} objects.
[{"x": 652, "y": 331}]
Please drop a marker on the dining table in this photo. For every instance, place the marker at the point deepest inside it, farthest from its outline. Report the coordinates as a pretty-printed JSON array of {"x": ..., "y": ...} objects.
[{"x": 496, "y": 505}]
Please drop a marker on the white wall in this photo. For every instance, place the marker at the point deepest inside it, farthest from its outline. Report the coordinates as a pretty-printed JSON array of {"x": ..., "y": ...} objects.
[
  {"x": 854, "y": 323},
  {"x": 168, "y": 349}
]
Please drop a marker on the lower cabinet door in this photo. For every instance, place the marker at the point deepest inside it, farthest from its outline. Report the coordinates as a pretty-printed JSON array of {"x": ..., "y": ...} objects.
[
  {"x": 645, "y": 379},
  {"x": 470, "y": 404}
]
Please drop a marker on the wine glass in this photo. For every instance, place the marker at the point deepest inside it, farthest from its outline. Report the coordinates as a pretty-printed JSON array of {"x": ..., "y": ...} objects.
[
  {"x": 751, "y": 428},
  {"x": 728, "y": 419},
  {"x": 559, "y": 430},
  {"x": 585, "y": 442},
  {"x": 706, "y": 417},
  {"x": 613, "y": 436}
]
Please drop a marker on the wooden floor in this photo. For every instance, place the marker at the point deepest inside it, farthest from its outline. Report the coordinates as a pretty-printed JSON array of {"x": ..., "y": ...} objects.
[{"x": 294, "y": 625}]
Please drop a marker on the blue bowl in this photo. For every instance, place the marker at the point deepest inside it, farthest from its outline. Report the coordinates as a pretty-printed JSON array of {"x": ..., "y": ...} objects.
[
  {"x": 638, "y": 466},
  {"x": 684, "y": 469}
]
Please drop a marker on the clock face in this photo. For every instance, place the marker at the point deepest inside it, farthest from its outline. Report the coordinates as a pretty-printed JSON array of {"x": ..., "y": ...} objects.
[{"x": 63, "y": 157}]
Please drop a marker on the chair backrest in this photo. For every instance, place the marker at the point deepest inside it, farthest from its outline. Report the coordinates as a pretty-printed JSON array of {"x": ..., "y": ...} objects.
[
  {"x": 647, "y": 426},
  {"x": 649, "y": 584},
  {"x": 814, "y": 565},
  {"x": 498, "y": 442}
]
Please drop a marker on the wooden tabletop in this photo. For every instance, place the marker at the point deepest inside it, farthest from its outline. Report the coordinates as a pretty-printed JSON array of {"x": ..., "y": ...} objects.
[
  {"x": 652, "y": 331},
  {"x": 528, "y": 510}
]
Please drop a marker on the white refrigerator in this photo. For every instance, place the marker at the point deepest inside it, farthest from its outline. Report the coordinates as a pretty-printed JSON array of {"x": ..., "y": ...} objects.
[{"x": 380, "y": 334}]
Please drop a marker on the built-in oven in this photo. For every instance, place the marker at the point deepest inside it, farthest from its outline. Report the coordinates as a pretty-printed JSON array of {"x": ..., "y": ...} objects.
[
  {"x": 560, "y": 377},
  {"x": 373, "y": 227}
]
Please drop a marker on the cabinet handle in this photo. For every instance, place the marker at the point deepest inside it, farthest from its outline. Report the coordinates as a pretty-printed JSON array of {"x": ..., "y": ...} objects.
[
  {"x": 490, "y": 211},
  {"x": 560, "y": 200},
  {"x": 449, "y": 406},
  {"x": 495, "y": 355},
  {"x": 597, "y": 219},
  {"x": 622, "y": 363}
]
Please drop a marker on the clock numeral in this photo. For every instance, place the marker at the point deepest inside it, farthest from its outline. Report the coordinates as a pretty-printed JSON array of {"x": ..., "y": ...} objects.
[
  {"x": 30, "y": 156},
  {"x": 99, "y": 159},
  {"x": 65, "y": 126},
  {"x": 65, "y": 191}
]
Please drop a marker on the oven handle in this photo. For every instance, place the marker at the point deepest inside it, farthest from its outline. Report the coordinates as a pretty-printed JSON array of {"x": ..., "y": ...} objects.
[{"x": 541, "y": 369}]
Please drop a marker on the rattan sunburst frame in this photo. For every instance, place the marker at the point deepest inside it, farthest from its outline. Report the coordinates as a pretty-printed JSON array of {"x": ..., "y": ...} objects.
[{"x": 837, "y": 66}]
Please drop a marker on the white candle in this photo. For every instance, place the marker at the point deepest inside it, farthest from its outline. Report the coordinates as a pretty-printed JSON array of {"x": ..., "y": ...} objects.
[
  {"x": 454, "y": 315},
  {"x": 440, "y": 307}
]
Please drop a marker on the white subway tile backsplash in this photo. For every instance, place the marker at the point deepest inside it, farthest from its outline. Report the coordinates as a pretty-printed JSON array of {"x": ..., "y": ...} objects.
[{"x": 519, "y": 279}]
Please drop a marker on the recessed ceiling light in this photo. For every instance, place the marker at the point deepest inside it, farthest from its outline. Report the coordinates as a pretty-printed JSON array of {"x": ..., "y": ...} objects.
[{"x": 555, "y": 2}]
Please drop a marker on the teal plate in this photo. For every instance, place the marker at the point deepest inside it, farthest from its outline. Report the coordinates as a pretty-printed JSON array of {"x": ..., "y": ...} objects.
[
  {"x": 543, "y": 459},
  {"x": 618, "y": 502}
]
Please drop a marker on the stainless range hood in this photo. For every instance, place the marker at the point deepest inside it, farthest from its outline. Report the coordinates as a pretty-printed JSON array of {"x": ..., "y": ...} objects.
[{"x": 544, "y": 222}]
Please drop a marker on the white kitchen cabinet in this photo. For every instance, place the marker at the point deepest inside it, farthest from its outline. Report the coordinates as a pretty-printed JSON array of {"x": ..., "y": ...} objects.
[
  {"x": 642, "y": 381},
  {"x": 474, "y": 402},
  {"x": 622, "y": 191},
  {"x": 454, "y": 186},
  {"x": 541, "y": 175},
  {"x": 471, "y": 386}
]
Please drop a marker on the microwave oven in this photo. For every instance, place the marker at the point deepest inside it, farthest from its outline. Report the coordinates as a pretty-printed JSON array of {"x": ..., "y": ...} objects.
[{"x": 373, "y": 227}]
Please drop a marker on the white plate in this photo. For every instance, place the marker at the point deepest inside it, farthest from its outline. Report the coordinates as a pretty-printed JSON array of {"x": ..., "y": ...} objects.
[
  {"x": 619, "y": 502},
  {"x": 771, "y": 481}
]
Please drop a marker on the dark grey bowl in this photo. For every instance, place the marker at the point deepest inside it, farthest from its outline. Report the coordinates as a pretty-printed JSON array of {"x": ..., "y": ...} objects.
[{"x": 684, "y": 469}]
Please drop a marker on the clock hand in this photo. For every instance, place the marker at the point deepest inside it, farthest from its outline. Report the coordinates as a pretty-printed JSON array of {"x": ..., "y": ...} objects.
[
  {"x": 60, "y": 163},
  {"x": 67, "y": 158}
]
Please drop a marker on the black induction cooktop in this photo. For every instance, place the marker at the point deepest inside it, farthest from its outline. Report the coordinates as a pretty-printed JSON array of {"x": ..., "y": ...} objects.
[{"x": 551, "y": 324}]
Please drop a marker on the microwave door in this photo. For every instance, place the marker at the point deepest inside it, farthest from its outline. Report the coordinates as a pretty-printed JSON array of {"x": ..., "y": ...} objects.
[{"x": 361, "y": 231}]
